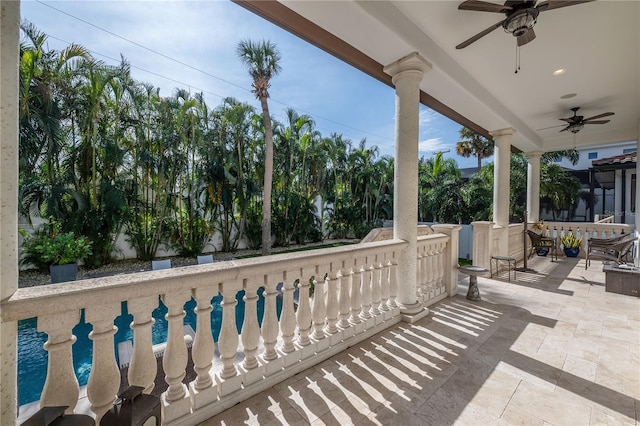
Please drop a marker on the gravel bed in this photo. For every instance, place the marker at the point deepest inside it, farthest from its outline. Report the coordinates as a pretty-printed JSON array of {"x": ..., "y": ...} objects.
[{"x": 31, "y": 278}]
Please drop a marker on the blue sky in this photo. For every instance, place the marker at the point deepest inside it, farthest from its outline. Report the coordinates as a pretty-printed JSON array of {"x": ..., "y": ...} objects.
[{"x": 191, "y": 44}]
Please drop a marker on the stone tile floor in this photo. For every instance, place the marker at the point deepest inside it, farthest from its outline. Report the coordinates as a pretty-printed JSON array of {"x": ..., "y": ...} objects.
[{"x": 549, "y": 348}]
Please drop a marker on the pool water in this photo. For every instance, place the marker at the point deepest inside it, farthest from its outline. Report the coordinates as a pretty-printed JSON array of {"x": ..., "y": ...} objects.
[{"x": 32, "y": 358}]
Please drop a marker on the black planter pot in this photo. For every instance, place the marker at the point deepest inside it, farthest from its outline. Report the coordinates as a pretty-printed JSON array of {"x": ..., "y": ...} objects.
[
  {"x": 571, "y": 252},
  {"x": 542, "y": 251},
  {"x": 63, "y": 273}
]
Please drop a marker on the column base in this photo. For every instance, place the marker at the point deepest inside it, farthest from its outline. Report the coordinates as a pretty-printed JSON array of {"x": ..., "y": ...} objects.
[{"x": 412, "y": 313}]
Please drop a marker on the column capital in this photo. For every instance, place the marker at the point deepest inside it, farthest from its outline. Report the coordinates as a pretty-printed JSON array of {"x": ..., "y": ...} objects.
[
  {"x": 412, "y": 62},
  {"x": 502, "y": 132},
  {"x": 533, "y": 154}
]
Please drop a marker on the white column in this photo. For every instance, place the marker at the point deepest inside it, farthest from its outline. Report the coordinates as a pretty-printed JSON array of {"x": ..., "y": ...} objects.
[
  {"x": 617, "y": 196},
  {"x": 533, "y": 186},
  {"x": 9, "y": 55},
  {"x": 501, "y": 175},
  {"x": 637, "y": 212},
  {"x": 406, "y": 75}
]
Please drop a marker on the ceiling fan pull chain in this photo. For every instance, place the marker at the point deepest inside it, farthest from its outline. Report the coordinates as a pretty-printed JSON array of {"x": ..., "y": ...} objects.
[{"x": 517, "y": 59}]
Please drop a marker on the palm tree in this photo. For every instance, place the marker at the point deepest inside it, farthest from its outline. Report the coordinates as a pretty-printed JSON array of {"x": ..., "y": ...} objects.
[
  {"x": 262, "y": 62},
  {"x": 473, "y": 144}
]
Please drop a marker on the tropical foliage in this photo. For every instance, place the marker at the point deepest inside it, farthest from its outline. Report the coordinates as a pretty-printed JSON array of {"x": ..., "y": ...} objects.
[{"x": 104, "y": 155}]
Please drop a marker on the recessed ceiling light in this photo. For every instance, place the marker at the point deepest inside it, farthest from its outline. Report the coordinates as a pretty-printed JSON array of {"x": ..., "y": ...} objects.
[
  {"x": 559, "y": 71},
  {"x": 568, "y": 96}
]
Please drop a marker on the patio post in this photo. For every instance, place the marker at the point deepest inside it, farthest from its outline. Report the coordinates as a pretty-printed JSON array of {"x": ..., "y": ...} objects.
[
  {"x": 406, "y": 76},
  {"x": 501, "y": 173},
  {"x": 533, "y": 186},
  {"x": 637, "y": 206},
  {"x": 9, "y": 78}
]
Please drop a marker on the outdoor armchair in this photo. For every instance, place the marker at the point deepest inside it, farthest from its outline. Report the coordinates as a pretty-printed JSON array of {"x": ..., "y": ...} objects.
[
  {"x": 538, "y": 241},
  {"x": 609, "y": 249}
]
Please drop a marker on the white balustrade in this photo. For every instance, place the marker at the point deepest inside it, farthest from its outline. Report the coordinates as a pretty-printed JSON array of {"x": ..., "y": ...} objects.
[
  {"x": 344, "y": 298},
  {"x": 365, "y": 313},
  {"x": 332, "y": 300},
  {"x": 104, "y": 379},
  {"x": 319, "y": 307},
  {"x": 143, "y": 368},
  {"x": 288, "y": 316},
  {"x": 355, "y": 290},
  {"x": 61, "y": 385},
  {"x": 303, "y": 314},
  {"x": 384, "y": 283},
  {"x": 376, "y": 277},
  {"x": 356, "y": 293},
  {"x": 176, "y": 399},
  {"x": 203, "y": 346},
  {"x": 270, "y": 326}
]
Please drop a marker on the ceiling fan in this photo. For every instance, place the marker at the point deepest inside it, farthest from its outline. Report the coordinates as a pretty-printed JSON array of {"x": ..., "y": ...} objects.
[
  {"x": 577, "y": 122},
  {"x": 521, "y": 16}
]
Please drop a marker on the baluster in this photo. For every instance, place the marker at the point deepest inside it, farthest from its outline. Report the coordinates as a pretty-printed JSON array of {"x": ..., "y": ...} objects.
[
  {"x": 441, "y": 254},
  {"x": 431, "y": 275},
  {"x": 288, "y": 315},
  {"x": 303, "y": 315},
  {"x": 420, "y": 271},
  {"x": 356, "y": 292},
  {"x": 595, "y": 233},
  {"x": 393, "y": 281},
  {"x": 203, "y": 347},
  {"x": 104, "y": 379},
  {"x": 270, "y": 325},
  {"x": 144, "y": 367},
  {"x": 228, "y": 340},
  {"x": 332, "y": 300},
  {"x": 344, "y": 300},
  {"x": 365, "y": 313},
  {"x": 375, "y": 287},
  {"x": 175, "y": 356},
  {"x": 319, "y": 307},
  {"x": 250, "y": 328},
  {"x": 384, "y": 283},
  {"x": 61, "y": 385}
]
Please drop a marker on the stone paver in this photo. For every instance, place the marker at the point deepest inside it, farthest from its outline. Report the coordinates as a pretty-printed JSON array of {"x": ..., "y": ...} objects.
[{"x": 550, "y": 348}]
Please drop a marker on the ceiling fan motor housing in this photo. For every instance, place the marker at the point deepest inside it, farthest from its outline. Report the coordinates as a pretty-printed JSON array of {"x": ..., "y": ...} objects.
[{"x": 520, "y": 21}]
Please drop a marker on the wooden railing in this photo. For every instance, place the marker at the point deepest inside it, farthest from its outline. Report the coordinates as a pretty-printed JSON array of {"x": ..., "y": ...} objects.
[{"x": 354, "y": 297}]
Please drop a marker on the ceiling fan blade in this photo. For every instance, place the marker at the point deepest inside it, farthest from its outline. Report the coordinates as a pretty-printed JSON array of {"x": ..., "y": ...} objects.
[
  {"x": 566, "y": 128},
  {"x": 596, "y": 122},
  {"x": 606, "y": 114},
  {"x": 483, "y": 6},
  {"x": 556, "y": 4},
  {"x": 525, "y": 38},
  {"x": 569, "y": 120},
  {"x": 551, "y": 127},
  {"x": 479, "y": 35}
]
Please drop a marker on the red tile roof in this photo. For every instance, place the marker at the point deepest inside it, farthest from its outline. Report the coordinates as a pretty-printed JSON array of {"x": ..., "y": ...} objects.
[{"x": 630, "y": 157}]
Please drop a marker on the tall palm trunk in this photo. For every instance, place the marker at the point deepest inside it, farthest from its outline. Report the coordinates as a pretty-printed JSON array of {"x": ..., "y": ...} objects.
[{"x": 268, "y": 178}]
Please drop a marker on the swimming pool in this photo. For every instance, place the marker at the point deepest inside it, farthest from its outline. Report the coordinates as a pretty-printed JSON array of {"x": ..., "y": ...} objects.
[{"x": 32, "y": 358}]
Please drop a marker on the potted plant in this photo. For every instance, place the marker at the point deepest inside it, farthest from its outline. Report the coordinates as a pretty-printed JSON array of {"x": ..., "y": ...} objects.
[
  {"x": 571, "y": 244},
  {"x": 58, "y": 251},
  {"x": 538, "y": 227}
]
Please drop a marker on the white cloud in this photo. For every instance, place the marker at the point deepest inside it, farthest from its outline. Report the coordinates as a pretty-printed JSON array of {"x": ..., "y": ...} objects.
[
  {"x": 432, "y": 145},
  {"x": 427, "y": 115}
]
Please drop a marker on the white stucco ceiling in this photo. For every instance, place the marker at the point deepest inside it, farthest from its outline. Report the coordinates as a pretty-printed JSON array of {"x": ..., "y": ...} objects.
[{"x": 598, "y": 44}]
